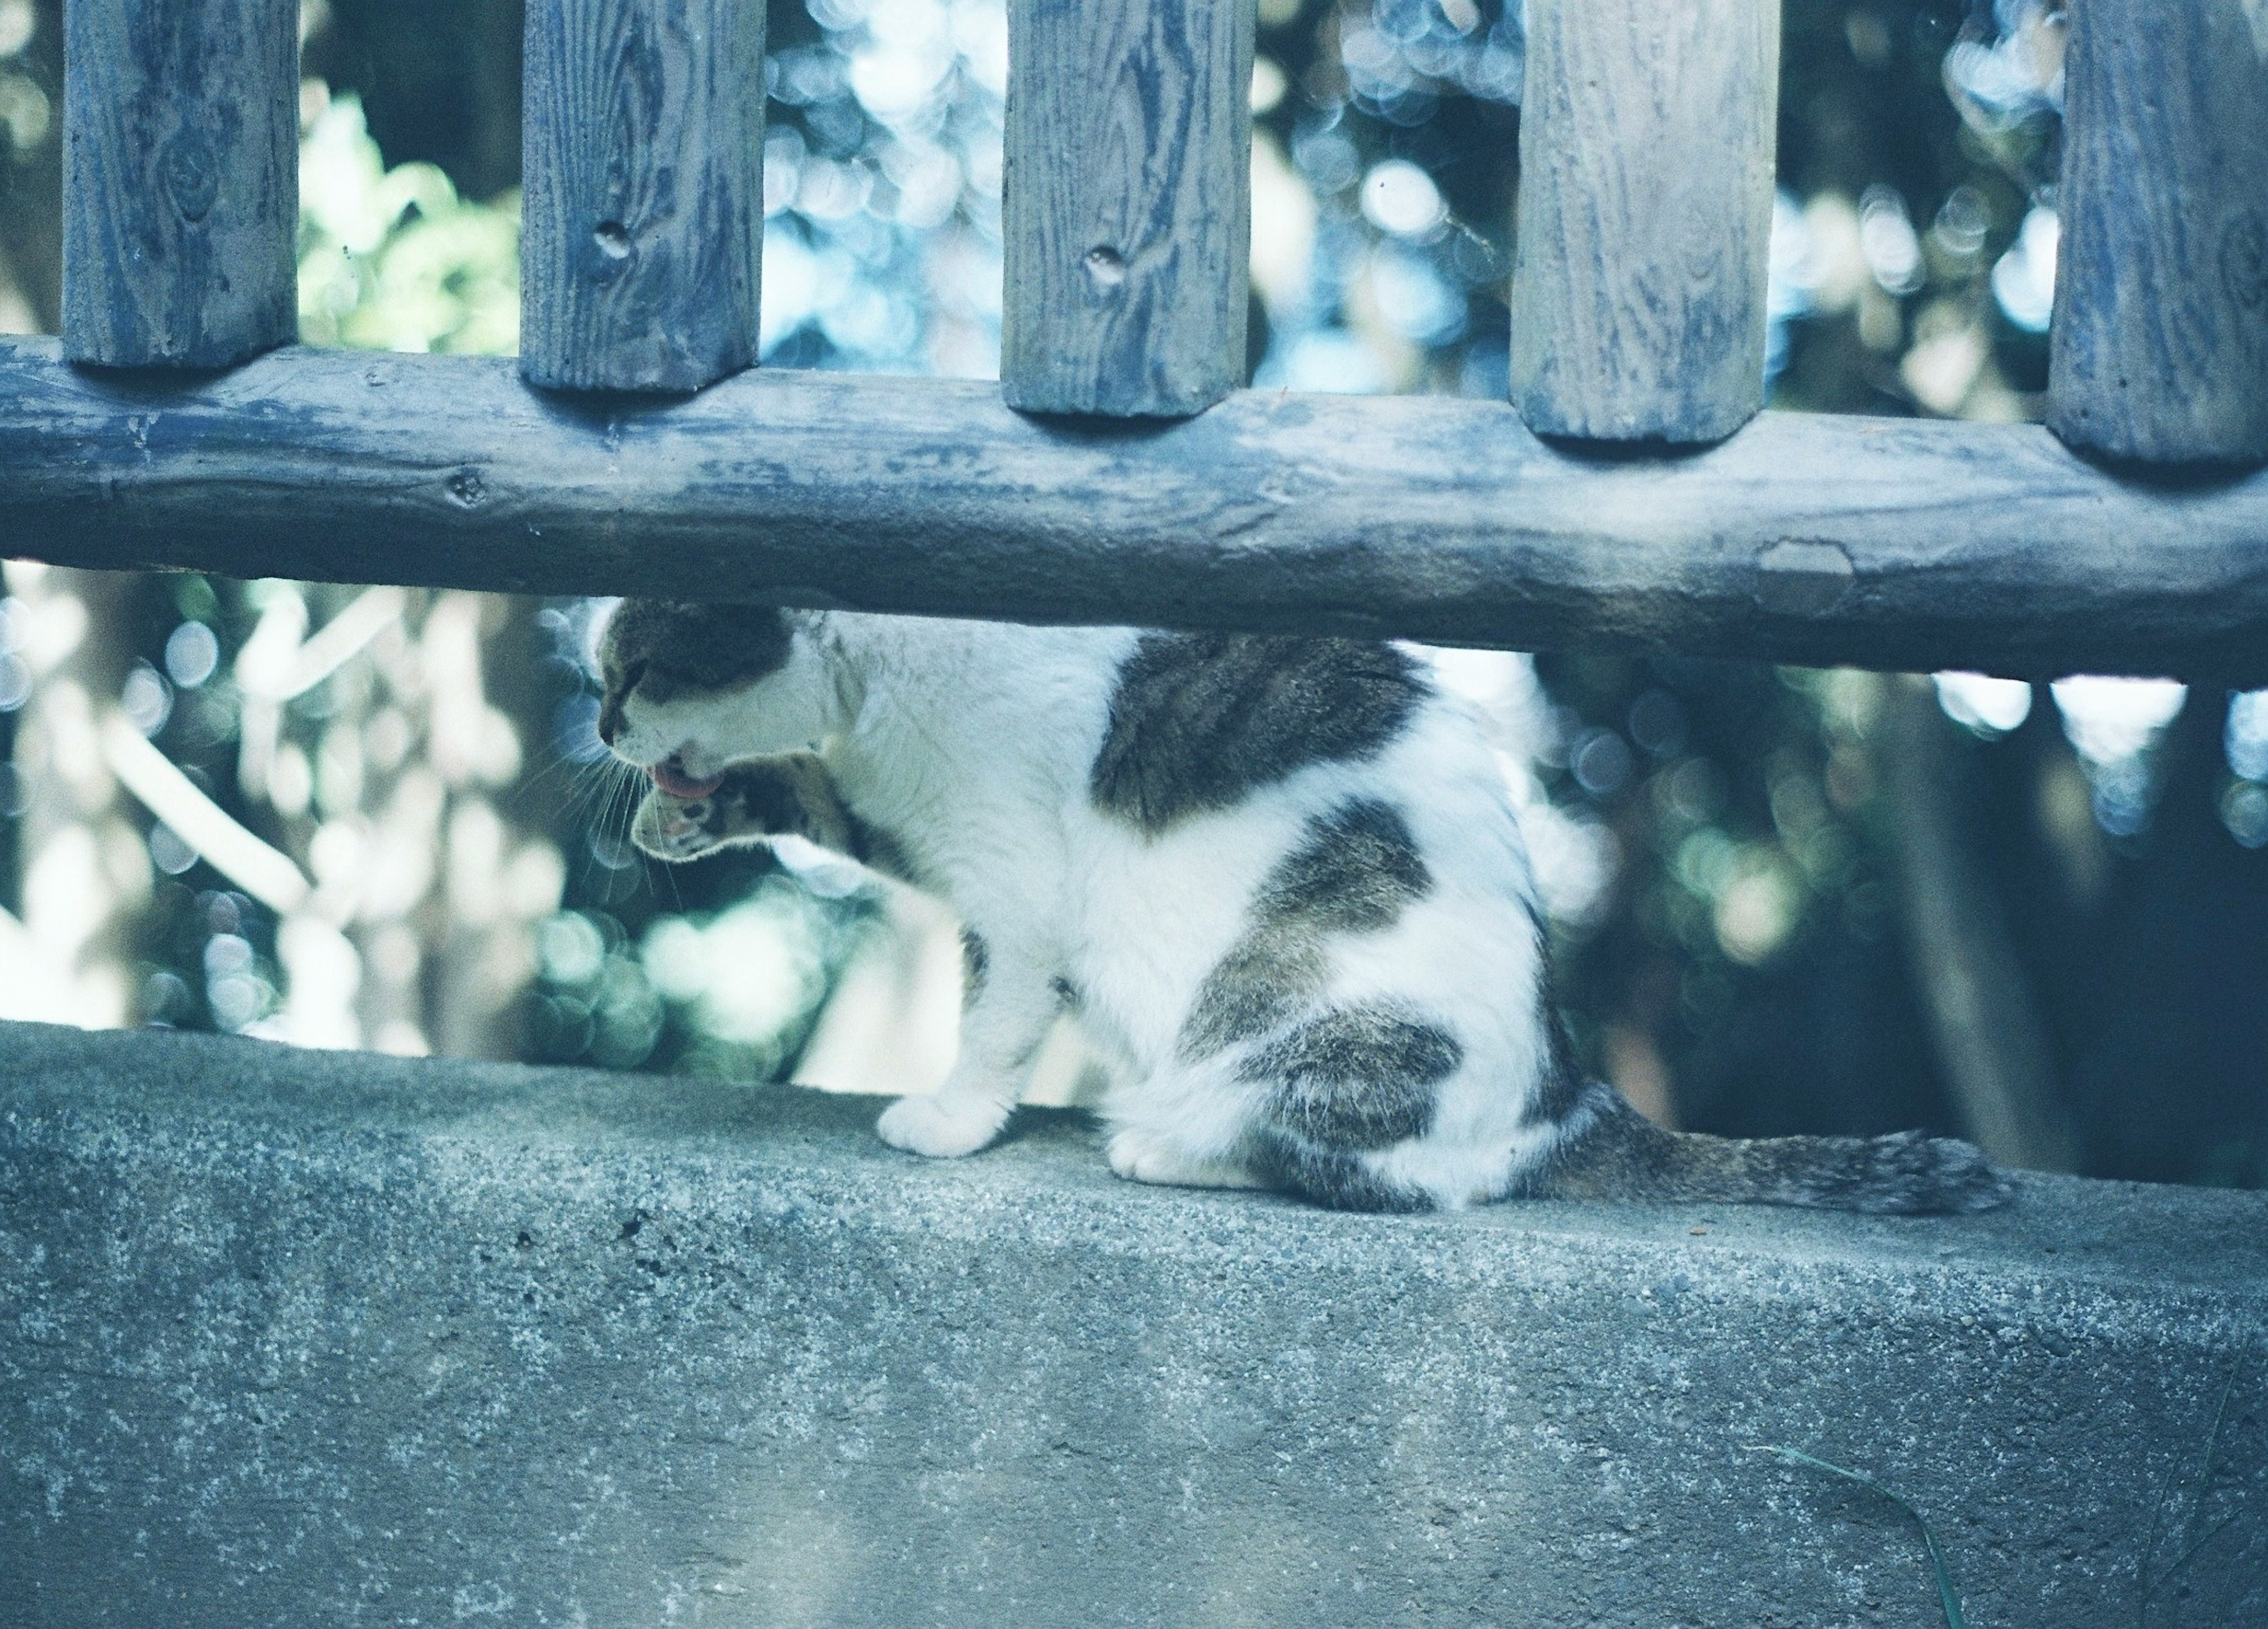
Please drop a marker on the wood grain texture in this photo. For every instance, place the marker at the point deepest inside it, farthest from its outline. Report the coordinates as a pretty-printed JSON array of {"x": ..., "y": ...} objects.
[
  {"x": 1645, "y": 217},
  {"x": 2159, "y": 346},
  {"x": 1806, "y": 538},
  {"x": 181, "y": 180},
  {"x": 1126, "y": 213},
  {"x": 642, "y": 138}
]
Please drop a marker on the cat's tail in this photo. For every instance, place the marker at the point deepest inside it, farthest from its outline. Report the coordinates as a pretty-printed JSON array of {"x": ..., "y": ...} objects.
[{"x": 1612, "y": 1151}]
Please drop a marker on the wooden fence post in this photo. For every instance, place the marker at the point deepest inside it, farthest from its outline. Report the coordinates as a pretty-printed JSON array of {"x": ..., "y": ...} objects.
[
  {"x": 643, "y": 170},
  {"x": 2160, "y": 347},
  {"x": 1127, "y": 209},
  {"x": 180, "y": 181},
  {"x": 1645, "y": 198}
]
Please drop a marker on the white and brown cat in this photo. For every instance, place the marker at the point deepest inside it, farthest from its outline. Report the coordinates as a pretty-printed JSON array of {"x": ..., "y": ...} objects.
[{"x": 1277, "y": 876}]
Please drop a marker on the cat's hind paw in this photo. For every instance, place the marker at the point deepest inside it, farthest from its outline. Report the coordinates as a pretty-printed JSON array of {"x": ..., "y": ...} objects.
[
  {"x": 943, "y": 1128},
  {"x": 1140, "y": 1157}
]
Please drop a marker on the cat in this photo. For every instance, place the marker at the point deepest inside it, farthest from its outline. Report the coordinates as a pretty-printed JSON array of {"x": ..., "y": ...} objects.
[{"x": 1277, "y": 876}]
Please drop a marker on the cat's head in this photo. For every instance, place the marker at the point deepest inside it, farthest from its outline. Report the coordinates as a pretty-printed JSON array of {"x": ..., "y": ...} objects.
[{"x": 691, "y": 688}]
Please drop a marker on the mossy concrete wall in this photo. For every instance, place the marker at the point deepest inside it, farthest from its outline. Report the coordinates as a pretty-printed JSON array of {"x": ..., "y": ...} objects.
[{"x": 297, "y": 1338}]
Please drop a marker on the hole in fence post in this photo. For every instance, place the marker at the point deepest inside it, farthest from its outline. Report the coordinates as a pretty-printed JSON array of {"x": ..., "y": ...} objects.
[
  {"x": 190, "y": 172},
  {"x": 643, "y": 193},
  {"x": 1128, "y": 137},
  {"x": 1106, "y": 268}
]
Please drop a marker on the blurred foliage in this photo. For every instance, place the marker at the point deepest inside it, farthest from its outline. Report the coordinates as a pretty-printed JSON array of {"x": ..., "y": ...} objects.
[
  {"x": 1719, "y": 837},
  {"x": 1752, "y": 940},
  {"x": 732, "y": 993},
  {"x": 394, "y": 257},
  {"x": 394, "y": 260}
]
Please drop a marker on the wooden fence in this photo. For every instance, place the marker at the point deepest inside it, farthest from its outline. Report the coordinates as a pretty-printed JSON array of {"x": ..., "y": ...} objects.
[{"x": 1629, "y": 496}]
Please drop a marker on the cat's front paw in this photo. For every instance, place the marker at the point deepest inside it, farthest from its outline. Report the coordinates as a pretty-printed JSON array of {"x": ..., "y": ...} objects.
[
  {"x": 672, "y": 829},
  {"x": 943, "y": 1128}
]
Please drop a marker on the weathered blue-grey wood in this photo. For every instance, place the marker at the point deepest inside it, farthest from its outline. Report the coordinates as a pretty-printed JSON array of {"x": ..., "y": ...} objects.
[
  {"x": 1808, "y": 537},
  {"x": 2160, "y": 348},
  {"x": 1645, "y": 229},
  {"x": 297, "y": 1338},
  {"x": 181, "y": 180},
  {"x": 1127, "y": 209},
  {"x": 642, "y": 139}
]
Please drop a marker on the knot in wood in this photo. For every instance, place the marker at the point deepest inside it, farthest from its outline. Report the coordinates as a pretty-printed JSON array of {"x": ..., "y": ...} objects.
[
  {"x": 1799, "y": 579},
  {"x": 2244, "y": 261},
  {"x": 190, "y": 173}
]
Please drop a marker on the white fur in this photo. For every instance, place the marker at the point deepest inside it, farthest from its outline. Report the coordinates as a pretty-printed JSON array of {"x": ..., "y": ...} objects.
[{"x": 972, "y": 744}]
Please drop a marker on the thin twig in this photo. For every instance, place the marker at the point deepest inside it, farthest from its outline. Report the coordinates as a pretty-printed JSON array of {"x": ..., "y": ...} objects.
[
  {"x": 1948, "y": 1596},
  {"x": 2150, "y": 1587}
]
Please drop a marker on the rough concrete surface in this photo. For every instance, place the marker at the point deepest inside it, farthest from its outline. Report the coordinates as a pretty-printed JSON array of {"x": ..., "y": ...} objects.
[{"x": 297, "y": 1338}]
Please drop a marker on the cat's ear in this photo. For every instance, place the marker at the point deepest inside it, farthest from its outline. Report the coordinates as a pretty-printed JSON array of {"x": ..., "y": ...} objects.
[{"x": 586, "y": 636}]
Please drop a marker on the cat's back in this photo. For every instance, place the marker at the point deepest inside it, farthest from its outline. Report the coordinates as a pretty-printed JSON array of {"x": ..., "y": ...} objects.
[
  {"x": 971, "y": 741},
  {"x": 1199, "y": 723},
  {"x": 1231, "y": 762},
  {"x": 986, "y": 701}
]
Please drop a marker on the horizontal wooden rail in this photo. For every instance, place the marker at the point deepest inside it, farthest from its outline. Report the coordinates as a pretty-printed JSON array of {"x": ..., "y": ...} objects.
[{"x": 1891, "y": 544}]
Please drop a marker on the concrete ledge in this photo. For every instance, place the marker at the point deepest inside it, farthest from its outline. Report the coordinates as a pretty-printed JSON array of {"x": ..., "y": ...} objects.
[{"x": 297, "y": 1339}]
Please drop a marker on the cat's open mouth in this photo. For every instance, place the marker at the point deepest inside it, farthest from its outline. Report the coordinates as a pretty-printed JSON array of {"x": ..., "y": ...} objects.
[{"x": 670, "y": 776}]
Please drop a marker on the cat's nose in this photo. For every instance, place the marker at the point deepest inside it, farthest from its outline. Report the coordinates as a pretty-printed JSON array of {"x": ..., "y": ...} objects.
[{"x": 610, "y": 720}]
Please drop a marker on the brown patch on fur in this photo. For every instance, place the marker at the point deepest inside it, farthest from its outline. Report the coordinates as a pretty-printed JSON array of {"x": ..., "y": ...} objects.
[
  {"x": 976, "y": 961},
  {"x": 1560, "y": 1092},
  {"x": 1357, "y": 870},
  {"x": 1355, "y": 1076},
  {"x": 1334, "y": 1178},
  {"x": 1199, "y": 720}
]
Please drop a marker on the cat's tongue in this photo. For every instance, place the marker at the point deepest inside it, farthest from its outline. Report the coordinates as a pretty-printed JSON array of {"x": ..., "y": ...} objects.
[{"x": 674, "y": 780}]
